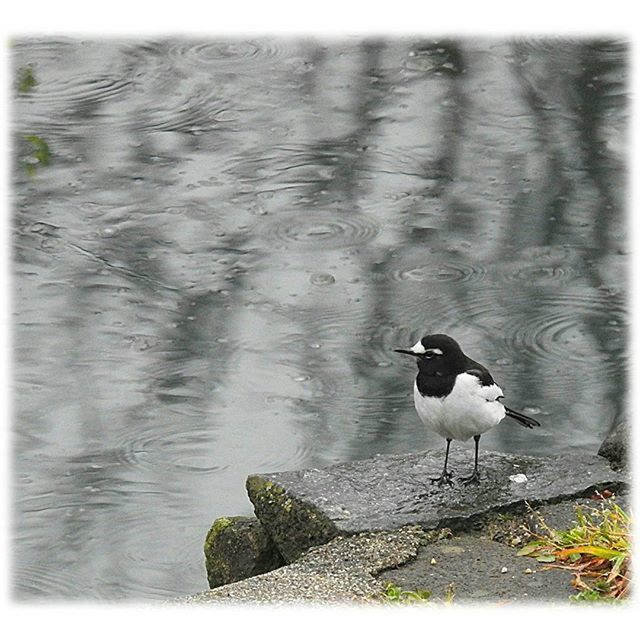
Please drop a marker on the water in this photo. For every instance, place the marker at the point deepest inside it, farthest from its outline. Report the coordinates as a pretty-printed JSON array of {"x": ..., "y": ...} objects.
[{"x": 229, "y": 239}]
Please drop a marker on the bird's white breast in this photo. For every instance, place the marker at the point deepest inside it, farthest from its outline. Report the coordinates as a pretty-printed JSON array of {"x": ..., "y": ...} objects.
[{"x": 470, "y": 409}]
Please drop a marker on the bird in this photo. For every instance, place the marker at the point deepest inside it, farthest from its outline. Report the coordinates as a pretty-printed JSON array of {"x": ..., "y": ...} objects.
[{"x": 456, "y": 397}]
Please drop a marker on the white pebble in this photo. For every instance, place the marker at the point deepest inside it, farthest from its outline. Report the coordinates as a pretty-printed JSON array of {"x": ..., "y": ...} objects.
[{"x": 519, "y": 478}]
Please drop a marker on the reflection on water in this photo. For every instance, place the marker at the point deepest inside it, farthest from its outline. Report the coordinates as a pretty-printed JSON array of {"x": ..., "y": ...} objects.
[{"x": 231, "y": 238}]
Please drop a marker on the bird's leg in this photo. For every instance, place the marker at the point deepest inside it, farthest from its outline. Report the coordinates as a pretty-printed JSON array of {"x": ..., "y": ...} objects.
[
  {"x": 445, "y": 477},
  {"x": 475, "y": 476}
]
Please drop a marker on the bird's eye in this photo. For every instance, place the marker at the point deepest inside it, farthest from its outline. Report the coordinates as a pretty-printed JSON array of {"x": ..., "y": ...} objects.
[{"x": 430, "y": 353}]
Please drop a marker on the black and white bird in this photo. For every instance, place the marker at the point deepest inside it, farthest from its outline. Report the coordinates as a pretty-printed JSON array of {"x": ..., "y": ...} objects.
[{"x": 456, "y": 397}]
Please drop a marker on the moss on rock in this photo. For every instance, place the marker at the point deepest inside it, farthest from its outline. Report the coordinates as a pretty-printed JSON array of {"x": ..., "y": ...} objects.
[
  {"x": 236, "y": 548},
  {"x": 294, "y": 524}
]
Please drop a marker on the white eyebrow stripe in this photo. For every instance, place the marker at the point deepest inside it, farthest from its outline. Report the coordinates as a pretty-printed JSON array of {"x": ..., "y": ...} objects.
[
  {"x": 435, "y": 350},
  {"x": 418, "y": 348}
]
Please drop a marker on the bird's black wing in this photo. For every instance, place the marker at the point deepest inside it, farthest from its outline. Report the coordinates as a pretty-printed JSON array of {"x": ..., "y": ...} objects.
[
  {"x": 486, "y": 380},
  {"x": 482, "y": 373}
]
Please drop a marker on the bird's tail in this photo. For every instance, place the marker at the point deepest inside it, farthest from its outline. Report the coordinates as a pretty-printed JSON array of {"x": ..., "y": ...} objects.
[{"x": 525, "y": 421}]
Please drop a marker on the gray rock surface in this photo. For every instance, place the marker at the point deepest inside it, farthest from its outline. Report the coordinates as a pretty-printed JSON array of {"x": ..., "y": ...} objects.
[
  {"x": 341, "y": 571},
  {"x": 471, "y": 568},
  {"x": 483, "y": 566},
  {"x": 236, "y": 548},
  {"x": 615, "y": 446},
  {"x": 464, "y": 567},
  {"x": 302, "y": 509}
]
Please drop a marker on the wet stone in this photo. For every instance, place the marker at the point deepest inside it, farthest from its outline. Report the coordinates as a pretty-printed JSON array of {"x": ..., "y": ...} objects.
[
  {"x": 344, "y": 570},
  {"x": 479, "y": 570},
  {"x": 615, "y": 447},
  {"x": 302, "y": 509},
  {"x": 237, "y": 548}
]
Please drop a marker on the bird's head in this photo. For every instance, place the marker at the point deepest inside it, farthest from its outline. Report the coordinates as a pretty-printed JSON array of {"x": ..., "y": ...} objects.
[{"x": 434, "y": 351}]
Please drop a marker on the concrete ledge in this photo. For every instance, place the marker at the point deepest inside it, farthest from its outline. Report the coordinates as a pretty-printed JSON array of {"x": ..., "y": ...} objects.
[
  {"x": 303, "y": 509},
  {"x": 477, "y": 565},
  {"x": 346, "y": 530},
  {"x": 341, "y": 571}
]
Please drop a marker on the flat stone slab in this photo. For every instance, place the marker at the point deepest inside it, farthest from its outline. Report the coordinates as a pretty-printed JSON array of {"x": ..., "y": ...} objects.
[
  {"x": 480, "y": 566},
  {"x": 342, "y": 571},
  {"x": 483, "y": 566},
  {"x": 468, "y": 568},
  {"x": 306, "y": 508}
]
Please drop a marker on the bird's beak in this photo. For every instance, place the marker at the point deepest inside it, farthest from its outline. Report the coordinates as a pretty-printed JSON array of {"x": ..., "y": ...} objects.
[{"x": 409, "y": 353}]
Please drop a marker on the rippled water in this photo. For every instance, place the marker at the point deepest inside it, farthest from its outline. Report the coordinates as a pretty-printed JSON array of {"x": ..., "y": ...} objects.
[{"x": 230, "y": 238}]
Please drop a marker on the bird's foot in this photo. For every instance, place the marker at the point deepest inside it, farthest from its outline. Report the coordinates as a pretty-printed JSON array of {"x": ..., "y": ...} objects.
[
  {"x": 474, "y": 478},
  {"x": 445, "y": 478}
]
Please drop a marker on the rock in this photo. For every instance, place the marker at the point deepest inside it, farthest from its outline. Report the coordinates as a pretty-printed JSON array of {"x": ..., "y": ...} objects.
[
  {"x": 343, "y": 570},
  {"x": 615, "y": 446},
  {"x": 471, "y": 566},
  {"x": 463, "y": 567},
  {"x": 303, "y": 509},
  {"x": 237, "y": 548},
  {"x": 473, "y": 569},
  {"x": 294, "y": 525}
]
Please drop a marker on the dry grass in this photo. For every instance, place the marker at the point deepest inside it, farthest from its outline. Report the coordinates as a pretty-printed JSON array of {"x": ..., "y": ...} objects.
[{"x": 597, "y": 549}]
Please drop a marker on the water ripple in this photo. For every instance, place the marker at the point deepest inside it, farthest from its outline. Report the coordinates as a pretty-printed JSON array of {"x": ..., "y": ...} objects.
[
  {"x": 542, "y": 274},
  {"x": 315, "y": 231},
  {"x": 379, "y": 345},
  {"x": 542, "y": 265},
  {"x": 439, "y": 272},
  {"x": 199, "y": 113},
  {"x": 220, "y": 54},
  {"x": 37, "y": 581},
  {"x": 173, "y": 452},
  {"x": 80, "y": 89},
  {"x": 44, "y": 50},
  {"x": 563, "y": 49},
  {"x": 570, "y": 327}
]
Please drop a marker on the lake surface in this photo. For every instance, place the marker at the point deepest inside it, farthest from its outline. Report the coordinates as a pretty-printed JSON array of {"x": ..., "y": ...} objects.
[{"x": 217, "y": 244}]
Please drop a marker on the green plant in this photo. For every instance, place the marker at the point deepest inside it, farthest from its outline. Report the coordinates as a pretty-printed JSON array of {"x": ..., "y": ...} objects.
[
  {"x": 40, "y": 154},
  {"x": 394, "y": 593},
  {"x": 597, "y": 549},
  {"x": 26, "y": 80}
]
